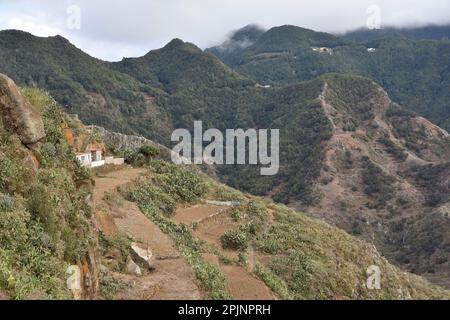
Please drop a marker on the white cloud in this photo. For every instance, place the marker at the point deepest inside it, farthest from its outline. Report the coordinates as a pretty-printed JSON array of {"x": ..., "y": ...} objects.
[
  {"x": 27, "y": 24},
  {"x": 113, "y": 29}
]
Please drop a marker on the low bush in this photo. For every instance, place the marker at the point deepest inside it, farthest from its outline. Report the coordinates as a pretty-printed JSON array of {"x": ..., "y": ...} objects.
[
  {"x": 224, "y": 193},
  {"x": 236, "y": 239},
  {"x": 158, "y": 197},
  {"x": 377, "y": 184},
  {"x": 150, "y": 193},
  {"x": 181, "y": 183}
]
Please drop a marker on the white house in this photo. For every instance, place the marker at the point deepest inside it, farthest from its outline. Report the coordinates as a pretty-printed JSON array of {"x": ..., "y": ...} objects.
[
  {"x": 95, "y": 159},
  {"x": 84, "y": 158},
  {"x": 323, "y": 50},
  {"x": 91, "y": 159}
]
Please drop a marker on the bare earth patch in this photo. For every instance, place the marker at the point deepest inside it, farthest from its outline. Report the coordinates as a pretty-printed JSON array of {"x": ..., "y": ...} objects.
[
  {"x": 172, "y": 277},
  {"x": 214, "y": 221}
]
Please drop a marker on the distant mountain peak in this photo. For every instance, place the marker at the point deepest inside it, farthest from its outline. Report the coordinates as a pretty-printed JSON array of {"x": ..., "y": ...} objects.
[
  {"x": 250, "y": 32},
  {"x": 175, "y": 42},
  {"x": 25, "y": 35},
  {"x": 178, "y": 44}
]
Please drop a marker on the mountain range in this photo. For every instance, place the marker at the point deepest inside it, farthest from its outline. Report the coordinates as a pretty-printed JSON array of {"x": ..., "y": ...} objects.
[
  {"x": 357, "y": 147},
  {"x": 148, "y": 232},
  {"x": 412, "y": 69}
]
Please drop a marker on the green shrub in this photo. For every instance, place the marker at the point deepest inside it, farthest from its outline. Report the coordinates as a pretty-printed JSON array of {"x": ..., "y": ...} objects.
[
  {"x": 42, "y": 209},
  {"x": 242, "y": 258},
  {"x": 182, "y": 184},
  {"x": 256, "y": 209},
  {"x": 6, "y": 202},
  {"x": 13, "y": 223},
  {"x": 236, "y": 214},
  {"x": 149, "y": 151},
  {"x": 298, "y": 271},
  {"x": 43, "y": 215},
  {"x": 377, "y": 183},
  {"x": 210, "y": 277},
  {"x": 29, "y": 262},
  {"x": 119, "y": 242},
  {"x": 141, "y": 157},
  {"x": 152, "y": 194},
  {"x": 236, "y": 239},
  {"x": 13, "y": 176},
  {"x": 274, "y": 282},
  {"x": 394, "y": 150},
  {"x": 224, "y": 193}
]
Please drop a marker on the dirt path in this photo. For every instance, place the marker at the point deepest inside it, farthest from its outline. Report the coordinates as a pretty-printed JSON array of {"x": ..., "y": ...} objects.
[
  {"x": 213, "y": 221},
  {"x": 110, "y": 181},
  {"x": 172, "y": 278}
]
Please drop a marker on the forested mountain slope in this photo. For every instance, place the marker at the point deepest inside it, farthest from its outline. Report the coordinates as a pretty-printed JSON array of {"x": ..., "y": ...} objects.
[
  {"x": 415, "y": 73},
  {"x": 331, "y": 127},
  {"x": 431, "y": 32}
]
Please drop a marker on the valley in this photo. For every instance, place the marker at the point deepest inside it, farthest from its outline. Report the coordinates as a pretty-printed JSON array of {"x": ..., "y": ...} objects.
[{"x": 363, "y": 175}]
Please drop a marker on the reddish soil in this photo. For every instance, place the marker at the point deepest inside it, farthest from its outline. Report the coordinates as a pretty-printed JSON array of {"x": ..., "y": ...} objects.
[
  {"x": 241, "y": 283},
  {"x": 195, "y": 213},
  {"x": 244, "y": 286},
  {"x": 172, "y": 278}
]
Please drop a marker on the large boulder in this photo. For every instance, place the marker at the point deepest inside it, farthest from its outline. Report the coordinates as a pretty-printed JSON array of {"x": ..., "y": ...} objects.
[
  {"x": 132, "y": 268},
  {"x": 143, "y": 256},
  {"x": 18, "y": 115}
]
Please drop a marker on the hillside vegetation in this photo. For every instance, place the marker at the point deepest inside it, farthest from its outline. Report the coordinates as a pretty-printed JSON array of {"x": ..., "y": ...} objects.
[
  {"x": 45, "y": 223},
  {"x": 295, "y": 256},
  {"x": 430, "y": 32},
  {"x": 348, "y": 153},
  {"x": 413, "y": 71}
]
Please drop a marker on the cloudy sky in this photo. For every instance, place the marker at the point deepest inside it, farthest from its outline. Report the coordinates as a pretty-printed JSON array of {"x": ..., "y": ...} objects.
[{"x": 111, "y": 30}]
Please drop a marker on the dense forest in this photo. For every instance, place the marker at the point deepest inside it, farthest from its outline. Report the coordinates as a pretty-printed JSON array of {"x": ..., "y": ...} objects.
[{"x": 413, "y": 68}]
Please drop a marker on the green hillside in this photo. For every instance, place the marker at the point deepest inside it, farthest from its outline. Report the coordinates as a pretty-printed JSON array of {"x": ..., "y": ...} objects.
[
  {"x": 295, "y": 256},
  {"x": 45, "y": 223},
  {"x": 415, "y": 73},
  {"x": 337, "y": 127},
  {"x": 431, "y": 32},
  {"x": 79, "y": 82}
]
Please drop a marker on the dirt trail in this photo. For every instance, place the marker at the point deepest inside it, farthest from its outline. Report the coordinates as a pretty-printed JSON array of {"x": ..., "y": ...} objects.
[
  {"x": 241, "y": 283},
  {"x": 172, "y": 278}
]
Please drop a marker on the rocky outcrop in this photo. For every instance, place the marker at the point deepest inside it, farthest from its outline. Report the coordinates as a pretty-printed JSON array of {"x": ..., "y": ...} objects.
[
  {"x": 132, "y": 268},
  {"x": 385, "y": 175},
  {"x": 143, "y": 256},
  {"x": 123, "y": 141},
  {"x": 18, "y": 115}
]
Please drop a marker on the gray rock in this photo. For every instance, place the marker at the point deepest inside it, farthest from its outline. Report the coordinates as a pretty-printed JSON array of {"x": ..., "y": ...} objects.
[
  {"x": 123, "y": 141},
  {"x": 132, "y": 268},
  {"x": 18, "y": 115},
  {"x": 143, "y": 256}
]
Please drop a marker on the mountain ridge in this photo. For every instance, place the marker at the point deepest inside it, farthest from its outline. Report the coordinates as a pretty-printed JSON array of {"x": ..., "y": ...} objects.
[
  {"x": 388, "y": 62},
  {"x": 174, "y": 86}
]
